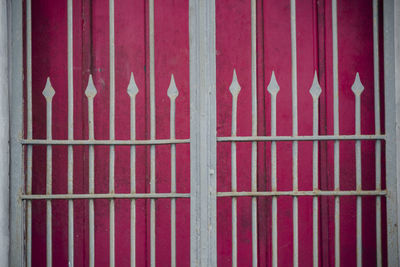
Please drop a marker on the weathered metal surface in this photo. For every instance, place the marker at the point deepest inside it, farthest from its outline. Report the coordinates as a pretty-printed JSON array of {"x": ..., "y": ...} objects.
[
  {"x": 315, "y": 92},
  {"x": 273, "y": 89},
  {"x": 203, "y": 161},
  {"x": 203, "y": 147},
  {"x": 173, "y": 93}
]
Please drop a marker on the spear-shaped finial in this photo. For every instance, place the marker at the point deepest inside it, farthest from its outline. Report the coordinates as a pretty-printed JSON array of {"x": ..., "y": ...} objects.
[
  {"x": 235, "y": 86},
  {"x": 132, "y": 87},
  {"x": 90, "y": 91},
  {"x": 357, "y": 86},
  {"x": 172, "y": 91},
  {"x": 315, "y": 89},
  {"x": 48, "y": 91},
  {"x": 273, "y": 87}
]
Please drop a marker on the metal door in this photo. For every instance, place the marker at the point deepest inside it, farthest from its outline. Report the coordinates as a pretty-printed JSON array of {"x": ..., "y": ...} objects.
[{"x": 202, "y": 133}]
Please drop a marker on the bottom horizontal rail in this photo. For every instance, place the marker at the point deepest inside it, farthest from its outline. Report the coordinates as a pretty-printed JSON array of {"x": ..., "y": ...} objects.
[
  {"x": 219, "y": 194},
  {"x": 105, "y": 196}
]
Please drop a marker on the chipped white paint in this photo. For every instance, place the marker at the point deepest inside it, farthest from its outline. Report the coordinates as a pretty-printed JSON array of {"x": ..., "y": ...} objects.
[
  {"x": 254, "y": 234},
  {"x": 90, "y": 93},
  {"x": 357, "y": 89},
  {"x": 234, "y": 88},
  {"x": 70, "y": 134},
  {"x": 273, "y": 89},
  {"x": 294, "y": 132},
  {"x": 336, "y": 168},
  {"x": 173, "y": 93},
  {"x": 378, "y": 152},
  {"x": 49, "y": 93},
  {"x": 315, "y": 92},
  {"x": 4, "y": 136},
  {"x": 132, "y": 91}
]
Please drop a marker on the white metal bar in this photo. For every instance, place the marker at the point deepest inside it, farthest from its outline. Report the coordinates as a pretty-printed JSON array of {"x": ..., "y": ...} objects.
[
  {"x": 391, "y": 49},
  {"x": 377, "y": 131},
  {"x": 219, "y": 194},
  {"x": 104, "y": 142},
  {"x": 203, "y": 243},
  {"x": 112, "y": 132},
  {"x": 29, "y": 131},
  {"x": 18, "y": 211},
  {"x": 254, "y": 130},
  {"x": 336, "y": 129},
  {"x": 273, "y": 89},
  {"x": 301, "y": 193},
  {"x": 152, "y": 136},
  {"x": 108, "y": 196},
  {"x": 235, "y": 90},
  {"x": 173, "y": 94},
  {"x": 315, "y": 92},
  {"x": 294, "y": 132},
  {"x": 299, "y": 138},
  {"x": 357, "y": 89},
  {"x": 48, "y": 93},
  {"x": 70, "y": 135},
  {"x": 132, "y": 91},
  {"x": 4, "y": 134},
  {"x": 91, "y": 93}
]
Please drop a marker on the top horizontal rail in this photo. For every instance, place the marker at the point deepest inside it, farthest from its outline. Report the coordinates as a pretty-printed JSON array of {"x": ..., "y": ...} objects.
[
  {"x": 299, "y": 138},
  {"x": 104, "y": 142}
]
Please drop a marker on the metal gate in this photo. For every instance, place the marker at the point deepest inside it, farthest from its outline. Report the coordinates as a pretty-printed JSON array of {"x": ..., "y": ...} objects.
[{"x": 203, "y": 152}]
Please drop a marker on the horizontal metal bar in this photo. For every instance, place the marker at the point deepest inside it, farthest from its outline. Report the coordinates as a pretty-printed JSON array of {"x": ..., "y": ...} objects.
[
  {"x": 303, "y": 193},
  {"x": 104, "y": 142},
  {"x": 106, "y": 196},
  {"x": 299, "y": 138}
]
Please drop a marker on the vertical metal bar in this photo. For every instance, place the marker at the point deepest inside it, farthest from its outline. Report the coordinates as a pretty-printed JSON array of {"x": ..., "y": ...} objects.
[
  {"x": 29, "y": 130},
  {"x": 91, "y": 93},
  {"x": 70, "y": 136},
  {"x": 152, "y": 137},
  {"x": 377, "y": 132},
  {"x": 48, "y": 93},
  {"x": 294, "y": 132},
  {"x": 132, "y": 91},
  {"x": 358, "y": 88},
  {"x": 273, "y": 89},
  {"x": 391, "y": 29},
  {"x": 254, "y": 130},
  {"x": 112, "y": 132},
  {"x": 235, "y": 90},
  {"x": 315, "y": 92},
  {"x": 173, "y": 94},
  {"x": 336, "y": 130},
  {"x": 203, "y": 243},
  {"x": 4, "y": 136},
  {"x": 18, "y": 242}
]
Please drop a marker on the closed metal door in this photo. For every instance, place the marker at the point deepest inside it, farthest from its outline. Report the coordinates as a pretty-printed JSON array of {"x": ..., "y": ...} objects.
[{"x": 202, "y": 133}]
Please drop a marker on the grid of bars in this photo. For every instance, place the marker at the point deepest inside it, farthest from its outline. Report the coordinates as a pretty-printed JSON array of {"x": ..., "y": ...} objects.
[
  {"x": 315, "y": 91},
  {"x": 132, "y": 90},
  {"x": 90, "y": 93}
]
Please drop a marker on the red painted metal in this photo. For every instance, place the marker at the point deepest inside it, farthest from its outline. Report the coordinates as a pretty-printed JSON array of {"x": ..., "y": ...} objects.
[{"x": 91, "y": 55}]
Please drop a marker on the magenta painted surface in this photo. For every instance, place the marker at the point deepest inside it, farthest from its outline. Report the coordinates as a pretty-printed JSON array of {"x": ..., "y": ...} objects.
[
  {"x": 91, "y": 55},
  {"x": 233, "y": 25},
  {"x": 274, "y": 54}
]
